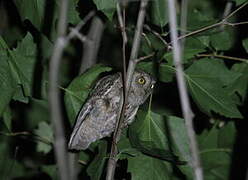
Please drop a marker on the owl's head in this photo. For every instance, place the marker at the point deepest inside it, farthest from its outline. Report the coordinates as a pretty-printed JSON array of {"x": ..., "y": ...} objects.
[{"x": 141, "y": 87}]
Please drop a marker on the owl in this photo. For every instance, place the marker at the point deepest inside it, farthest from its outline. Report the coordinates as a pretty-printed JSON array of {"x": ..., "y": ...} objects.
[{"x": 98, "y": 116}]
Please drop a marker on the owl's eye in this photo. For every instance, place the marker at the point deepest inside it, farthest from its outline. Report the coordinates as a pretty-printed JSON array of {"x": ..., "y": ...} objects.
[{"x": 141, "y": 80}]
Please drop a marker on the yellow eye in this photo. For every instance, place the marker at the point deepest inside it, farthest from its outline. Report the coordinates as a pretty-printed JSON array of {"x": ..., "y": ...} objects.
[{"x": 141, "y": 80}]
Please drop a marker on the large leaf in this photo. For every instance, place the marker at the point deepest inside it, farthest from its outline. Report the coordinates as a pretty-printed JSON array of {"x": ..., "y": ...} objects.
[
  {"x": 78, "y": 90},
  {"x": 22, "y": 60},
  {"x": 188, "y": 54},
  {"x": 45, "y": 12},
  {"x": 166, "y": 72},
  {"x": 159, "y": 12},
  {"x": 143, "y": 167},
  {"x": 180, "y": 143},
  {"x": 107, "y": 7},
  {"x": 222, "y": 40},
  {"x": 16, "y": 70},
  {"x": 216, "y": 149},
  {"x": 240, "y": 85},
  {"x": 7, "y": 81},
  {"x": 45, "y": 134},
  {"x": 148, "y": 134},
  {"x": 206, "y": 80}
]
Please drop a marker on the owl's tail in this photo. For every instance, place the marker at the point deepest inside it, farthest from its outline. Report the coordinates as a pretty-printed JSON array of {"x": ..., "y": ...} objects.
[{"x": 80, "y": 141}]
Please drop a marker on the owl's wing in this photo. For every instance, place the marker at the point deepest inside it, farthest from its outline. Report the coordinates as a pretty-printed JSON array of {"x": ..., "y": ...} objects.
[
  {"x": 74, "y": 139},
  {"x": 95, "y": 114}
]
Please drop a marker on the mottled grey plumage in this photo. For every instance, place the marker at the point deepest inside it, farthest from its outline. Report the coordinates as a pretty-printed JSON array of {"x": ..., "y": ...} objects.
[{"x": 99, "y": 114}]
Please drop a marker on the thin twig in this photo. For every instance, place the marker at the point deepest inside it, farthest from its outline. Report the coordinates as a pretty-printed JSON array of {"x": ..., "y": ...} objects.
[
  {"x": 226, "y": 12},
  {"x": 131, "y": 67},
  {"x": 235, "y": 11},
  {"x": 223, "y": 57},
  {"x": 184, "y": 98},
  {"x": 158, "y": 36},
  {"x": 236, "y": 24},
  {"x": 223, "y": 21},
  {"x": 144, "y": 57}
]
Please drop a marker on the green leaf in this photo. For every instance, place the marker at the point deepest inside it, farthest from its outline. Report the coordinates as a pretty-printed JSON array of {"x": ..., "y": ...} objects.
[
  {"x": 188, "y": 54},
  {"x": 240, "y": 84},
  {"x": 73, "y": 15},
  {"x": 229, "y": 131},
  {"x": 216, "y": 151},
  {"x": 148, "y": 134},
  {"x": 166, "y": 73},
  {"x": 221, "y": 40},
  {"x": 149, "y": 67},
  {"x": 245, "y": 44},
  {"x": 206, "y": 79},
  {"x": 159, "y": 12},
  {"x": 10, "y": 168},
  {"x": 7, "y": 81},
  {"x": 143, "y": 167},
  {"x": 96, "y": 167},
  {"x": 38, "y": 112},
  {"x": 78, "y": 90},
  {"x": 107, "y": 7},
  {"x": 36, "y": 12},
  {"x": 180, "y": 143},
  {"x": 22, "y": 60},
  {"x": 33, "y": 10},
  {"x": 51, "y": 170},
  {"x": 45, "y": 133},
  {"x": 238, "y": 2},
  {"x": 7, "y": 117}
]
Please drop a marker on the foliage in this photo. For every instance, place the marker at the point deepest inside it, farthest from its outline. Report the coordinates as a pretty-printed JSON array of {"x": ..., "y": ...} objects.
[{"x": 156, "y": 145}]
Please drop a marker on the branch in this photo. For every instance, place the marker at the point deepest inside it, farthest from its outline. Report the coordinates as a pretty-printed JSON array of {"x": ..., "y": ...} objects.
[
  {"x": 60, "y": 149},
  {"x": 90, "y": 47},
  {"x": 131, "y": 67},
  {"x": 184, "y": 98},
  {"x": 54, "y": 97}
]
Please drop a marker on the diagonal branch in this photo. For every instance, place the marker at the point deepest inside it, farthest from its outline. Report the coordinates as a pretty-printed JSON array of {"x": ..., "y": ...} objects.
[
  {"x": 131, "y": 67},
  {"x": 61, "y": 153},
  {"x": 184, "y": 98}
]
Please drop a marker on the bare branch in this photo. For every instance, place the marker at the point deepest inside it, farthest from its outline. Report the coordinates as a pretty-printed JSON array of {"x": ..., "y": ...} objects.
[
  {"x": 158, "y": 36},
  {"x": 184, "y": 98},
  {"x": 90, "y": 47},
  {"x": 54, "y": 97},
  {"x": 143, "y": 58},
  {"x": 235, "y": 11},
  {"x": 61, "y": 153},
  {"x": 131, "y": 67}
]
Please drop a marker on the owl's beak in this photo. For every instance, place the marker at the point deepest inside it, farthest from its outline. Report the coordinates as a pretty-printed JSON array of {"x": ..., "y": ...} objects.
[{"x": 153, "y": 83}]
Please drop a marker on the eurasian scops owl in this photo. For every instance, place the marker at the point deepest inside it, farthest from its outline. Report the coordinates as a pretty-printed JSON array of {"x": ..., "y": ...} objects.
[{"x": 99, "y": 114}]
